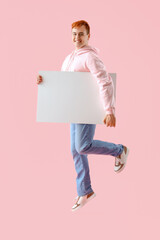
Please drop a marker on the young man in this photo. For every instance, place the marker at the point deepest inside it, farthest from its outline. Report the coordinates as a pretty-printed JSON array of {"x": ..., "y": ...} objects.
[{"x": 85, "y": 59}]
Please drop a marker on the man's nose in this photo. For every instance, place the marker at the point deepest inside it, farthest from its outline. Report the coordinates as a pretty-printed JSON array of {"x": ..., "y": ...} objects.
[{"x": 78, "y": 36}]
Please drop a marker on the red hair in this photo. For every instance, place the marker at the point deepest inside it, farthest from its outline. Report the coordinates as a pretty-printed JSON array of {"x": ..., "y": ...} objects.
[{"x": 81, "y": 23}]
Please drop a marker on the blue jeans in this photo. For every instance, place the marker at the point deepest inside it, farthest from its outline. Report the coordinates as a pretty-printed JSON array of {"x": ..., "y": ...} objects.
[{"x": 82, "y": 144}]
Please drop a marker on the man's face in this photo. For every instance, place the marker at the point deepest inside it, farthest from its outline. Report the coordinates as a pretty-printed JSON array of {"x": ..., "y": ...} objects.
[{"x": 80, "y": 37}]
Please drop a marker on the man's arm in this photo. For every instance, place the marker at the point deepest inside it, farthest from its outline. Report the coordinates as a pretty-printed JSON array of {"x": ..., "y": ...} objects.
[{"x": 104, "y": 80}]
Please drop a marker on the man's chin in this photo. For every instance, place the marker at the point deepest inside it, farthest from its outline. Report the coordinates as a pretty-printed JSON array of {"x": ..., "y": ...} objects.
[{"x": 79, "y": 45}]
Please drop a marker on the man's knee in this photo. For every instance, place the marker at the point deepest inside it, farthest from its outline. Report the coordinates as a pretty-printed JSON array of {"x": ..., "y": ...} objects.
[{"x": 83, "y": 149}]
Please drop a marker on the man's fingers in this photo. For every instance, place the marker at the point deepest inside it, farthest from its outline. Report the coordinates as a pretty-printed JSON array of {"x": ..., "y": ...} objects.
[
  {"x": 110, "y": 121},
  {"x": 39, "y": 77},
  {"x": 39, "y": 81}
]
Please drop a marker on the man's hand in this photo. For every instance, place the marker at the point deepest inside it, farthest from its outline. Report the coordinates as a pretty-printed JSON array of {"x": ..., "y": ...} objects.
[
  {"x": 39, "y": 79},
  {"x": 110, "y": 120}
]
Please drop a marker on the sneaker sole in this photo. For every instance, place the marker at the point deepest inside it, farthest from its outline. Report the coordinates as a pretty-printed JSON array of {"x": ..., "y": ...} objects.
[
  {"x": 91, "y": 197},
  {"x": 118, "y": 171}
]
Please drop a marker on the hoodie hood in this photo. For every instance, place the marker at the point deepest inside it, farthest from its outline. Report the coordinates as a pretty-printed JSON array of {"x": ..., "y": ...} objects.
[
  {"x": 86, "y": 49},
  {"x": 80, "y": 51}
]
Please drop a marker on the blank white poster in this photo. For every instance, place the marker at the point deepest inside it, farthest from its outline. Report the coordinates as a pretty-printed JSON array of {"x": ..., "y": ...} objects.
[{"x": 70, "y": 97}]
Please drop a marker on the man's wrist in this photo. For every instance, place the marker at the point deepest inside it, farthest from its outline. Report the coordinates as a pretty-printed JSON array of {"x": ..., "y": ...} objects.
[{"x": 110, "y": 110}]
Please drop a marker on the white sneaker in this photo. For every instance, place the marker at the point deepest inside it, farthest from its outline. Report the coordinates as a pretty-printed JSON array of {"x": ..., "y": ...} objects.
[
  {"x": 120, "y": 161},
  {"x": 82, "y": 200}
]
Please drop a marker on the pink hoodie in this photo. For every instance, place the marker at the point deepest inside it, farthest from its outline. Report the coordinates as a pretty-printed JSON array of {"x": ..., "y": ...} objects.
[{"x": 86, "y": 59}]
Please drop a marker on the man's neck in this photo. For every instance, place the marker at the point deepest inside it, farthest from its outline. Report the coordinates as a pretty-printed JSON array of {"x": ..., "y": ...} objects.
[{"x": 76, "y": 49}]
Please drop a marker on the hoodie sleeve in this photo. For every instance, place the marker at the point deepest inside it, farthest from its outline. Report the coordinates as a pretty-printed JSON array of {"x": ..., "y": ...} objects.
[
  {"x": 63, "y": 65},
  {"x": 104, "y": 80}
]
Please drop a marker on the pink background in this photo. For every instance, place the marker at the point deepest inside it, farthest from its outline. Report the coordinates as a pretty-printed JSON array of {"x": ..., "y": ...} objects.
[{"x": 37, "y": 175}]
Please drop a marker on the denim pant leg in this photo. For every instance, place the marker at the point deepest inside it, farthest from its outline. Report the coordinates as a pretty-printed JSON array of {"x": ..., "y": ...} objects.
[
  {"x": 81, "y": 165},
  {"x": 82, "y": 144},
  {"x": 85, "y": 144}
]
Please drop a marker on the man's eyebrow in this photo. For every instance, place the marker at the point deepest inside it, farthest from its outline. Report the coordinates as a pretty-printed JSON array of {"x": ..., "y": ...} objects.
[{"x": 79, "y": 32}]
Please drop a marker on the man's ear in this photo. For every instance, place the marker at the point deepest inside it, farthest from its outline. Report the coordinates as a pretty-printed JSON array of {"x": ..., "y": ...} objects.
[{"x": 89, "y": 36}]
